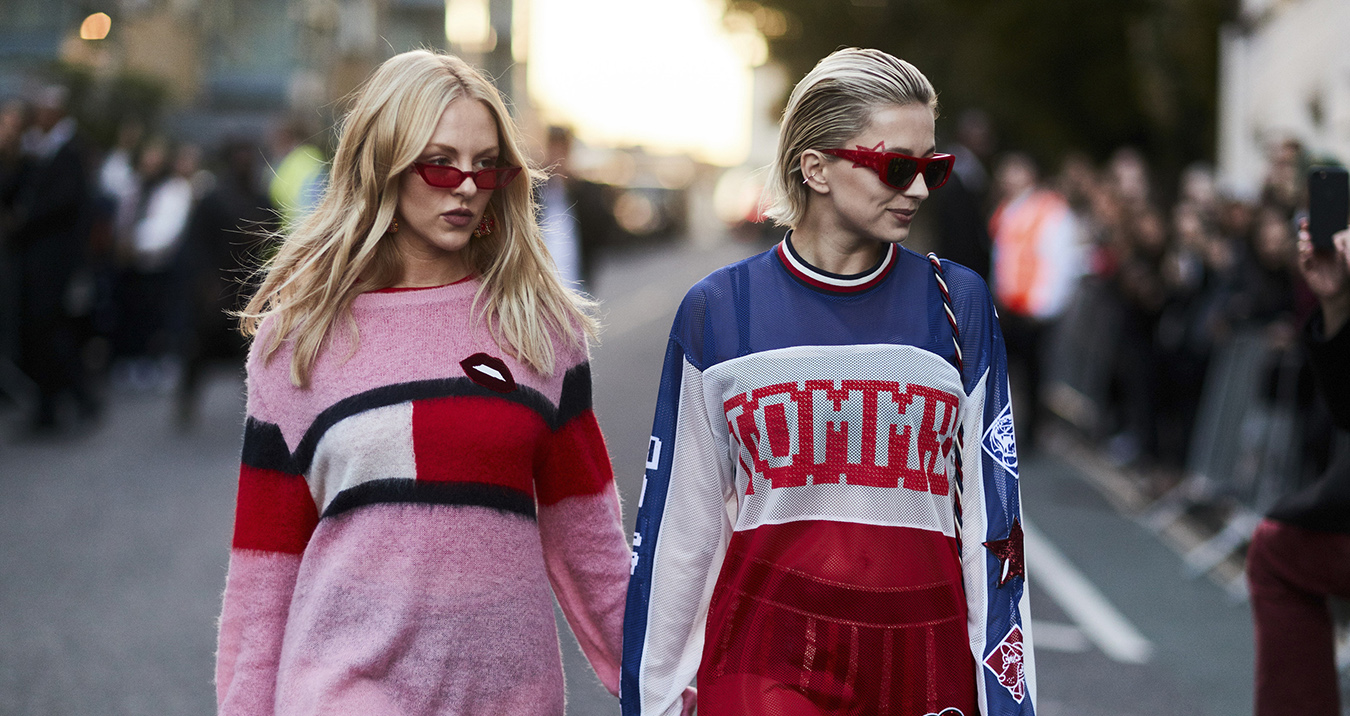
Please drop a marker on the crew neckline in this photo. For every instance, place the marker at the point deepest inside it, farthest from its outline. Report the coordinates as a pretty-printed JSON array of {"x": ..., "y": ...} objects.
[
  {"x": 406, "y": 289},
  {"x": 822, "y": 280}
]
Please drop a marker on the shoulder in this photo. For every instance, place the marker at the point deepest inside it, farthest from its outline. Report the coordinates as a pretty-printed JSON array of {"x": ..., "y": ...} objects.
[
  {"x": 719, "y": 285},
  {"x": 268, "y": 377},
  {"x": 571, "y": 346},
  {"x": 970, "y": 298},
  {"x": 711, "y": 303}
]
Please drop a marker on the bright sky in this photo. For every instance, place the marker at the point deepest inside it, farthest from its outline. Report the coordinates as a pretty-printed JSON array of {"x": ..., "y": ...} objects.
[{"x": 660, "y": 73}]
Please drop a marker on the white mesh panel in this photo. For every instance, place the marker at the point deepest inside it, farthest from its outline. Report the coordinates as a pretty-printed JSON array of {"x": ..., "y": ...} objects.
[
  {"x": 689, "y": 551},
  {"x": 974, "y": 528},
  {"x": 878, "y": 401}
]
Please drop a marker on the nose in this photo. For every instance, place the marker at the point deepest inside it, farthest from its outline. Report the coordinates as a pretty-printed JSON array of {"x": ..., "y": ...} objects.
[
  {"x": 917, "y": 189},
  {"x": 466, "y": 188}
]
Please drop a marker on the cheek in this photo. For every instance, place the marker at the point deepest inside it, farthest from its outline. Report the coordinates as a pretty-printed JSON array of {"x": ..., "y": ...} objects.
[{"x": 412, "y": 198}]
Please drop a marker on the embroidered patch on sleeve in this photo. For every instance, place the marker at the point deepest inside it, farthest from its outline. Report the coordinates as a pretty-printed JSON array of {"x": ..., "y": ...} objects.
[
  {"x": 489, "y": 372},
  {"x": 1005, "y": 661},
  {"x": 1000, "y": 440},
  {"x": 1010, "y": 554}
]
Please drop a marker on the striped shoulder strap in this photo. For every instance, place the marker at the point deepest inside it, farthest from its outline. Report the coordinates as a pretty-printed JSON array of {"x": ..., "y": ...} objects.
[{"x": 961, "y": 369}]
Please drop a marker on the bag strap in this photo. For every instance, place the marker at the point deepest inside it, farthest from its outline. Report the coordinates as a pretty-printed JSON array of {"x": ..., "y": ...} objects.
[{"x": 959, "y": 482}]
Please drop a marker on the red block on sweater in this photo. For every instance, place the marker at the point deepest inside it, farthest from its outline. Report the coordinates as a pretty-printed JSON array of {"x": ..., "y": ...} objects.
[{"x": 275, "y": 512}]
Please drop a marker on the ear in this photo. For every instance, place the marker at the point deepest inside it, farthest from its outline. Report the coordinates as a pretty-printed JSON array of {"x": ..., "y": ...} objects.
[{"x": 813, "y": 165}]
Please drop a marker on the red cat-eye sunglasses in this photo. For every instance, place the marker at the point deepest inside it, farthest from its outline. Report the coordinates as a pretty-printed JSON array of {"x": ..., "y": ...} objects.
[
  {"x": 898, "y": 170},
  {"x": 444, "y": 176}
]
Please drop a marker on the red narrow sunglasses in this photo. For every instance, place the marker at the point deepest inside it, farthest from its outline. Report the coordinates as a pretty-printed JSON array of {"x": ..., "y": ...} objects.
[
  {"x": 444, "y": 176},
  {"x": 898, "y": 170}
]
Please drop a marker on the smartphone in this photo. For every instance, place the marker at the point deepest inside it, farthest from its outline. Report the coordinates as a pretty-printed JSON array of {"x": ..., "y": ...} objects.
[{"x": 1328, "y": 204}]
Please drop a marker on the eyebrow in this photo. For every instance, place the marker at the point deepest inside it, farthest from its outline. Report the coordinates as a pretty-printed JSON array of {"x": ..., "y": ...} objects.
[
  {"x": 448, "y": 149},
  {"x": 901, "y": 150}
]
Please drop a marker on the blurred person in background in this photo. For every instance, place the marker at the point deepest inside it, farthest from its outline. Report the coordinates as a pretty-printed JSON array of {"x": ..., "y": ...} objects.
[
  {"x": 800, "y": 545},
  {"x": 13, "y": 122},
  {"x": 421, "y": 460},
  {"x": 1141, "y": 285},
  {"x": 118, "y": 176},
  {"x": 1284, "y": 187},
  {"x": 1038, "y": 258},
  {"x": 1300, "y": 554},
  {"x": 960, "y": 208},
  {"x": 48, "y": 243},
  {"x": 1183, "y": 335},
  {"x": 224, "y": 241},
  {"x": 575, "y": 220},
  {"x": 301, "y": 171},
  {"x": 1127, "y": 175},
  {"x": 147, "y": 305}
]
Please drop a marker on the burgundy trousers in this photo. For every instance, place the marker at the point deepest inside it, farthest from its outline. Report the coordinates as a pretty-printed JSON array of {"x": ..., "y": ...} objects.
[{"x": 1291, "y": 572}]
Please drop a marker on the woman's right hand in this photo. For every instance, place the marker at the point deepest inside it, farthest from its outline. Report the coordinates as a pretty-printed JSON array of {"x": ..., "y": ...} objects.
[{"x": 1328, "y": 276}]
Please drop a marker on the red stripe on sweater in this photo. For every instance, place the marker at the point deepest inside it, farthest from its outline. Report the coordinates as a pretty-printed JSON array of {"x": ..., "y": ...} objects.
[
  {"x": 275, "y": 512},
  {"x": 574, "y": 462},
  {"x": 476, "y": 439}
]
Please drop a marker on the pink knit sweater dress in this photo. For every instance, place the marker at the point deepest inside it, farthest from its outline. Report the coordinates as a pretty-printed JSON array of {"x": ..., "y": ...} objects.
[{"x": 400, "y": 522}]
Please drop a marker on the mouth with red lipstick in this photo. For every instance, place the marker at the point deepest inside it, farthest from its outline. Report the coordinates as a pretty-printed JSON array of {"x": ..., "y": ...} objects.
[{"x": 458, "y": 217}]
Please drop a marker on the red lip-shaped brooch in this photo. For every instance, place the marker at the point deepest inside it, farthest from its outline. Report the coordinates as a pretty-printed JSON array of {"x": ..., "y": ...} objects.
[{"x": 489, "y": 372}]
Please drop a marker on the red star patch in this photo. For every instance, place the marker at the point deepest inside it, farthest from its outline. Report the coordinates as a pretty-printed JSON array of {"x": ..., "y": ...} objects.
[{"x": 1009, "y": 552}]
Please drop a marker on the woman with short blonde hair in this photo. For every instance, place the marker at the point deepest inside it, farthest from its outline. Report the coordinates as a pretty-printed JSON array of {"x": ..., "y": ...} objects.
[
  {"x": 421, "y": 461},
  {"x": 831, "y": 521}
]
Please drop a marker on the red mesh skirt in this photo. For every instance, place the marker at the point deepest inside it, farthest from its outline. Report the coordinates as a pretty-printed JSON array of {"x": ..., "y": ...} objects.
[{"x": 781, "y": 642}]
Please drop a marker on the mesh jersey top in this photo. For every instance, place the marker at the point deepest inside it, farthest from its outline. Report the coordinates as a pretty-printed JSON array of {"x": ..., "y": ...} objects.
[
  {"x": 400, "y": 522},
  {"x": 803, "y": 542}
]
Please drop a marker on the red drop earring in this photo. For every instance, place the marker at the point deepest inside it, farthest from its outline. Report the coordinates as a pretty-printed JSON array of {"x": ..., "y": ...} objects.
[
  {"x": 485, "y": 227},
  {"x": 393, "y": 227}
]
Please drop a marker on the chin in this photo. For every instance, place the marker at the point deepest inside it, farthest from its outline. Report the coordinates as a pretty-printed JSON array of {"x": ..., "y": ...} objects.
[{"x": 892, "y": 235}]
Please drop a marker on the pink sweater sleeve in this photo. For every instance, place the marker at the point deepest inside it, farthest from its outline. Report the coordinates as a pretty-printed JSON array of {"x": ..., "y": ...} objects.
[
  {"x": 580, "y": 525},
  {"x": 252, "y": 622},
  {"x": 275, "y": 516}
]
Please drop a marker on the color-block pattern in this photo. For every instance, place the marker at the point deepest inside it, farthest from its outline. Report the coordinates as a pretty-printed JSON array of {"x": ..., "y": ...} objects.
[
  {"x": 400, "y": 523},
  {"x": 801, "y": 486}
]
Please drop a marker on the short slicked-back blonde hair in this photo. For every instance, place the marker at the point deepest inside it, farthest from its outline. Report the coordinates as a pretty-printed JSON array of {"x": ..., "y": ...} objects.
[{"x": 832, "y": 104}]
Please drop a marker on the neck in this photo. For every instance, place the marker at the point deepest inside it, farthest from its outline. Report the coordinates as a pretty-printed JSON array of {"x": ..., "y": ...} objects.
[
  {"x": 422, "y": 270},
  {"x": 833, "y": 249}
]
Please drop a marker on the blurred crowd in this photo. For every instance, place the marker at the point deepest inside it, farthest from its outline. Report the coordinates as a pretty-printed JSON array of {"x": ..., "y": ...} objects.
[
  {"x": 1146, "y": 277},
  {"x": 119, "y": 265}
]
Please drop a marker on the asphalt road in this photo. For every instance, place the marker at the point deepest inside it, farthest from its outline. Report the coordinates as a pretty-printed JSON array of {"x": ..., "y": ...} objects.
[{"x": 113, "y": 546}]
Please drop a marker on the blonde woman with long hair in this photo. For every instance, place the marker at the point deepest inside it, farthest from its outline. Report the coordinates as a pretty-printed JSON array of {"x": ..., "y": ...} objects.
[{"x": 420, "y": 458}]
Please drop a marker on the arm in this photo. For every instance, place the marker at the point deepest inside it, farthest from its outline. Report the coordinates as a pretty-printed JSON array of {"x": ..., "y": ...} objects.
[
  {"x": 274, "y": 518},
  {"x": 582, "y": 532},
  {"x": 992, "y": 563},
  {"x": 681, "y": 537},
  {"x": 1328, "y": 276}
]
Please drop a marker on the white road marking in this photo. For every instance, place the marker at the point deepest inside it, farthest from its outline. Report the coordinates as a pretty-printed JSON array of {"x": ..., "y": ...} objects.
[
  {"x": 1101, "y": 622},
  {"x": 1053, "y": 636}
]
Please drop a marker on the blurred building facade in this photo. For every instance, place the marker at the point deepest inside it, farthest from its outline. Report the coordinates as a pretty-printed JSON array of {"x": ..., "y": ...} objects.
[
  {"x": 215, "y": 62},
  {"x": 1284, "y": 74}
]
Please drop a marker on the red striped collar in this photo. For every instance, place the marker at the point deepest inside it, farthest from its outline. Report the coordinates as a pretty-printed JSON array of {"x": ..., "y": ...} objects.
[{"x": 832, "y": 282}]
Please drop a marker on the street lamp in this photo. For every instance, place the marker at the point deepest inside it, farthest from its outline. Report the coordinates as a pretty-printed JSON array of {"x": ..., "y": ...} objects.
[{"x": 96, "y": 26}]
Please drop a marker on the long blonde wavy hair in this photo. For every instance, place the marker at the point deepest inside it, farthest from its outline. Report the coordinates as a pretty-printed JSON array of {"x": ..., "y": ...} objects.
[{"x": 340, "y": 250}]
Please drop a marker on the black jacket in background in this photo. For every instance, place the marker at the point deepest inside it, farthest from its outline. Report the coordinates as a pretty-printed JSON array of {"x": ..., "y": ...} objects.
[{"x": 1324, "y": 505}]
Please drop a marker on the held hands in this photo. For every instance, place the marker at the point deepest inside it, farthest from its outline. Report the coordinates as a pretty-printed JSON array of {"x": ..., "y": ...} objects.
[{"x": 1328, "y": 276}]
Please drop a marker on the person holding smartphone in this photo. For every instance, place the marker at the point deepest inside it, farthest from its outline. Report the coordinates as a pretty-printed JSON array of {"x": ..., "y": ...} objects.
[
  {"x": 421, "y": 461},
  {"x": 830, "y": 522},
  {"x": 1300, "y": 554}
]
